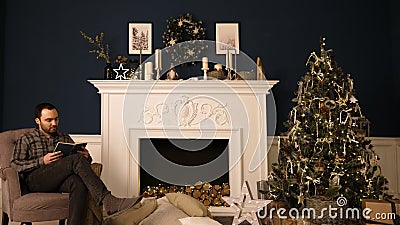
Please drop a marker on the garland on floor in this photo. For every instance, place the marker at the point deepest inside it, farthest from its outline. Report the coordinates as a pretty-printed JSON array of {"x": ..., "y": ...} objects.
[{"x": 209, "y": 195}]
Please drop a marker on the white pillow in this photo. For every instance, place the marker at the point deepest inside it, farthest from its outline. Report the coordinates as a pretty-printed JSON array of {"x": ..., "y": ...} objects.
[
  {"x": 188, "y": 204},
  {"x": 199, "y": 221}
]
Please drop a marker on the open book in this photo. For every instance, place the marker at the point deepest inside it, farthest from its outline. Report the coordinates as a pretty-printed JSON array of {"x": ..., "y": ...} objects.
[{"x": 68, "y": 148}]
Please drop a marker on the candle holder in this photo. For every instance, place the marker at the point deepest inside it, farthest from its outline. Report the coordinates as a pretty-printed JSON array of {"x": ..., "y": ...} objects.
[
  {"x": 229, "y": 73},
  {"x": 157, "y": 73},
  {"x": 158, "y": 63},
  {"x": 140, "y": 63},
  {"x": 205, "y": 73},
  {"x": 140, "y": 72}
]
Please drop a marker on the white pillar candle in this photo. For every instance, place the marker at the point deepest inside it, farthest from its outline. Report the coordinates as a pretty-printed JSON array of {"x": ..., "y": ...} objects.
[
  {"x": 148, "y": 70},
  {"x": 158, "y": 59},
  {"x": 205, "y": 63},
  {"x": 230, "y": 59},
  {"x": 227, "y": 59}
]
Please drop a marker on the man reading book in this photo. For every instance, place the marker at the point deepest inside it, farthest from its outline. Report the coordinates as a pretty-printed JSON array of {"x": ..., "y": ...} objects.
[{"x": 47, "y": 171}]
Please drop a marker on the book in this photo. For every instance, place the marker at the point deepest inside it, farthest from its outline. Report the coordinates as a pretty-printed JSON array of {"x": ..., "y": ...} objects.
[{"x": 68, "y": 148}]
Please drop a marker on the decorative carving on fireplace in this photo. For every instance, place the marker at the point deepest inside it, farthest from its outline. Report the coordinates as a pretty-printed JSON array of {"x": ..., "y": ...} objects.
[
  {"x": 194, "y": 111},
  {"x": 187, "y": 112},
  {"x": 152, "y": 114}
]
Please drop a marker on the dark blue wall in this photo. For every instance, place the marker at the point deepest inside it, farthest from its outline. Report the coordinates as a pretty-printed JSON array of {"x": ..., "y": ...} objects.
[{"x": 46, "y": 59}]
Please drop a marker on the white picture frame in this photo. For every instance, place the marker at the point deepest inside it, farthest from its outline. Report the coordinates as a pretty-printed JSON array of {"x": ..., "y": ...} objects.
[
  {"x": 140, "y": 38},
  {"x": 226, "y": 35}
]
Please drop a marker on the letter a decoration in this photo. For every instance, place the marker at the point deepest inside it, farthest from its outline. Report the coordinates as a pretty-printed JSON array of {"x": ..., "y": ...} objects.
[{"x": 246, "y": 207}]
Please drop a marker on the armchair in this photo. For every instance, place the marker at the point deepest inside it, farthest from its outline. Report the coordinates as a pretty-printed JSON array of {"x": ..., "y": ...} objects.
[{"x": 33, "y": 207}]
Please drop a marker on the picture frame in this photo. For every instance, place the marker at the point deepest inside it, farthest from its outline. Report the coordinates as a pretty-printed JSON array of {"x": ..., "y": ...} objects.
[
  {"x": 226, "y": 34},
  {"x": 140, "y": 38}
]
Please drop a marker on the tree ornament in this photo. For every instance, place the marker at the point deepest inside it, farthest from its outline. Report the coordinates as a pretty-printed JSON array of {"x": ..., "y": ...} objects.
[
  {"x": 300, "y": 198},
  {"x": 319, "y": 166}
]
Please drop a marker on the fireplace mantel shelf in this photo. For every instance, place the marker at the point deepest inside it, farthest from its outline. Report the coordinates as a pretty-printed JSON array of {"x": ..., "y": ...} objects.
[{"x": 184, "y": 86}]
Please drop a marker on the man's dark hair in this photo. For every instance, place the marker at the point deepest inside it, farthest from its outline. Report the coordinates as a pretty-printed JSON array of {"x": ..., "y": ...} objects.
[{"x": 41, "y": 106}]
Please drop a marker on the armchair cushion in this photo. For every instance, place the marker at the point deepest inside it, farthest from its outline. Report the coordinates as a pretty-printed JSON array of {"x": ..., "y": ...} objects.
[{"x": 35, "y": 201}]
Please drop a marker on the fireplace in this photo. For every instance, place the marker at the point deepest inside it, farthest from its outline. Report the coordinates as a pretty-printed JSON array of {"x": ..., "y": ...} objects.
[
  {"x": 182, "y": 162},
  {"x": 132, "y": 111},
  {"x": 229, "y": 139}
]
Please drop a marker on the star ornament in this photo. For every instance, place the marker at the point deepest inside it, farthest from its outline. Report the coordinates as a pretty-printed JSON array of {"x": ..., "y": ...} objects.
[
  {"x": 190, "y": 52},
  {"x": 353, "y": 99},
  {"x": 246, "y": 207},
  {"x": 172, "y": 42},
  {"x": 119, "y": 76}
]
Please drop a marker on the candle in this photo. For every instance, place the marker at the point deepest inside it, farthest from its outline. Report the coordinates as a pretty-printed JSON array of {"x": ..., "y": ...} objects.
[
  {"x": 148, "y": 70},
  {"x": 227, "y": 59},
  {"x": 157, "y": 56},
  {"x": 205, "y": 63},
  {"x": 159, "y": 60},
  {"x": 230, "y": 59}
]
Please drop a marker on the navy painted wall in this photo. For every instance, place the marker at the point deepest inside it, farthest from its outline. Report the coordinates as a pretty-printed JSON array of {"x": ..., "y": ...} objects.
[{"x": 46, "y": 59}]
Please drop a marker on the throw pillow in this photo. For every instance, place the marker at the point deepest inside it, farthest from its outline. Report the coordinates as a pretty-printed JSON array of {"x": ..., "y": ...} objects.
[
  {"x": 134, "y": 215},
  {"x": 165, "y": 214},
  {"x": 188, "y": 204},
  {"x": 198, "y": 221}
]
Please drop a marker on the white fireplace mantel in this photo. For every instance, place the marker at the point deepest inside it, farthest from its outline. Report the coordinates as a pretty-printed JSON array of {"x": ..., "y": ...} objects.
[
  {"x": 185, "y": 87},
  {"x": 134, "y": 109}
]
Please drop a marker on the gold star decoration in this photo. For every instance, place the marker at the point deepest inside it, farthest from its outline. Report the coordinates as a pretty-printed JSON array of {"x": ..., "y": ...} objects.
[
  {"x": 172, "y": 42},
  {"x": 180, "y": 23},
  {"x": 119, "y": 76},
  {"x": 190, "y": 52},
  {"x": 246, "y": 207},
  {"x": 196, "y": 30}
]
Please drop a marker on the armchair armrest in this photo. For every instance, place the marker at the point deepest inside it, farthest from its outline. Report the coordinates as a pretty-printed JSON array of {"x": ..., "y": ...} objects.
[
  {"x": 97, "y": 168},
  {"x": 11, "y": 187}
]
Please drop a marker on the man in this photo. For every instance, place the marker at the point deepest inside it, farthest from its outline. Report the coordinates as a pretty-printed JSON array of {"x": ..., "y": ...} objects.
[{"x": 47, "y": 171}]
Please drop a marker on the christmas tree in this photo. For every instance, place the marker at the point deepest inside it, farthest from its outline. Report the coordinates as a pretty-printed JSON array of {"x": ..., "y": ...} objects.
[{"x": 325, "y": 153}]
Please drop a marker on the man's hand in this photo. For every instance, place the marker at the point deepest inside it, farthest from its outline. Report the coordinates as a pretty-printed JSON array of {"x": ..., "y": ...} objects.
[
  {"x": 52, "y": 157},
  {"x": 84, "y": 152}
]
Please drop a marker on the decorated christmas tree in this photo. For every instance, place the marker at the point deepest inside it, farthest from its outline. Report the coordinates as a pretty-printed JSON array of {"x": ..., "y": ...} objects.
[{"x": 325, "y": 152}]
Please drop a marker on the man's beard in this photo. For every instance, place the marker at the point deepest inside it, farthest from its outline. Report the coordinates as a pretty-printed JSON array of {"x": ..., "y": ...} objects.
[{"x": 52, "y": 130}]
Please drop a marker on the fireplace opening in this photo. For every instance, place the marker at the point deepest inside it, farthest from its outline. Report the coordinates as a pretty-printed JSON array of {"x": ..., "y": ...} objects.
[{"x": 183, "y": 162}]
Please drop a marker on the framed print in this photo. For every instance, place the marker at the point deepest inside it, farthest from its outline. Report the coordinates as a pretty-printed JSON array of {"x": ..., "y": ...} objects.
[
  {"x": 227, "y": 37},
  {"x": 140, "y": 37}
]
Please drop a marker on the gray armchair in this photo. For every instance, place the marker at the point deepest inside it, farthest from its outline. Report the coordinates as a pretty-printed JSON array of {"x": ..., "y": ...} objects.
[{"x": 33, "y": 207}]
